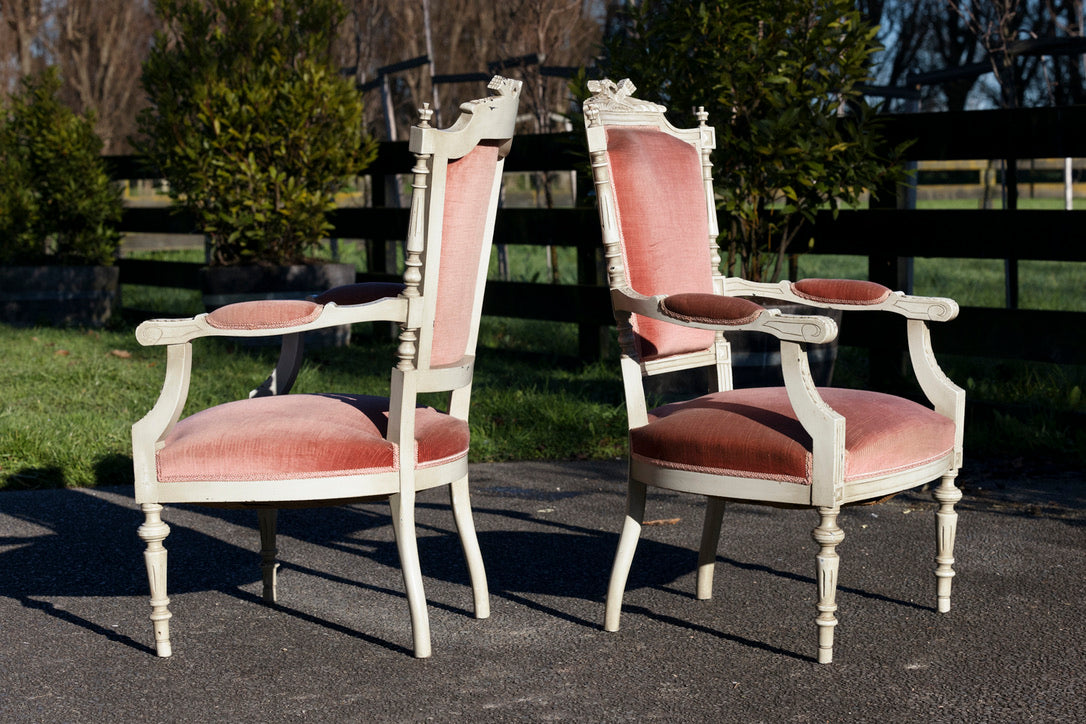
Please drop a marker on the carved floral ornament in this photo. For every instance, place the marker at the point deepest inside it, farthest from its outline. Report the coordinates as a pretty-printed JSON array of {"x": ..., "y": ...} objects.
[
  {"x": 611, "y": 96},
  {"x": 502, "y": 87}
]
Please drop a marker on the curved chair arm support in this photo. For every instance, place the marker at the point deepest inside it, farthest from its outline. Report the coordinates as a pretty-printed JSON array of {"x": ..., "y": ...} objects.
[
  {"x": 177, "y": 331},
  {"x": 790, "y": 327},
  {"x": 825, "y": 426},
  {"x": 149, "y": 431},
  {"x": 846, "y": 294},
  {"x": 946, "y": 397}
]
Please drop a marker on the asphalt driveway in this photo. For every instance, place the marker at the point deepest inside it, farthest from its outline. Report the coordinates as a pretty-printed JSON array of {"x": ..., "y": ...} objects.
[{"x": 75, "y": 641}]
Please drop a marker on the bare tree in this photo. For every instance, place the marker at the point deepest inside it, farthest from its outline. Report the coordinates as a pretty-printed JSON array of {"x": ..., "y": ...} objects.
[
  {"x": 469, "y": 36},
  {"x": 101, "y": 45},
  {"x": 922, "y": 37},
  {"x": 22, "y": 28},
  {"x": 98, "y": 45},
  {"x": 558, "y": 33},
  {"x": 1027, "y": 44},
  {"x": 1002, "y": 52}
]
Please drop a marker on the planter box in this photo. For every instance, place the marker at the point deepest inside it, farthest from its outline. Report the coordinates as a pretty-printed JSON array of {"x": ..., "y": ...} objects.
[
  {"x": 58, "y": 295},
  {"x": 229, "y": 284}
]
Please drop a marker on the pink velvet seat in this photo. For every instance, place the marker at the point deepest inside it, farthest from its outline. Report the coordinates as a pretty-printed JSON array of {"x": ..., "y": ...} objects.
[
  {"x": 279, "y": 450},
  {"x": 755, "y": 433},
  {"x": 283, "y": 437},
  {"x": 791, "y": 446}
]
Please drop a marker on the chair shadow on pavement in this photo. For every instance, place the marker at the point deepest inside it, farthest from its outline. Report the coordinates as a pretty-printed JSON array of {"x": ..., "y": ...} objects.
[
  {"x": 84, "y": 544},
  {"x": 72, "y": 551}
]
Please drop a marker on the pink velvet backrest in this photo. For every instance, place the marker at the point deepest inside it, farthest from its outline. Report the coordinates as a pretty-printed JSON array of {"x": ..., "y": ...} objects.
[
  {"x": 469, "y": 188},
  {"x": 663, "y": 228}
]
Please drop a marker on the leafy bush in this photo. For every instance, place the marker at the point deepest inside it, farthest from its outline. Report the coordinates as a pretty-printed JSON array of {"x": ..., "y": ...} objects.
[
  {"x": 250, "y": 123},
  {"x": 780, "y": 80},
  {"x": 57, "y": 202}
]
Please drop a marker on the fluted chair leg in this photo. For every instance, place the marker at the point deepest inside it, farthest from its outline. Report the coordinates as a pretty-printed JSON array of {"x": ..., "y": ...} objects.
[
  {"x": 465, "y": 526},
  {"x": 403, "y": 524},
  {"x": 828, "y": 535},
  {"x": 946, "y": 528},
  {"x": 627, "y": 543},
  {"x": 268, "y": 518},
  {"x": 710, "y": 536},
  {"x": 153, "y": 532}
]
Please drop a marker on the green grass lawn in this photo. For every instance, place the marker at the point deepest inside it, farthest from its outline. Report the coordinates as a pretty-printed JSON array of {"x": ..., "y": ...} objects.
[{"x": 70, "y": 396}]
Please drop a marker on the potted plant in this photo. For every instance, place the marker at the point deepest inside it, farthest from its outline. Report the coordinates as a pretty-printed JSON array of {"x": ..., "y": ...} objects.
[
  {"x": 255, "y": 131},
  {"x": 781, "y": 81},
  {"x": 58, "y": 212}
]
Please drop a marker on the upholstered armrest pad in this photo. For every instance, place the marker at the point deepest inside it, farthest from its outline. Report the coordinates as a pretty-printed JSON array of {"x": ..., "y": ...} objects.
[
  {"x": 361, "y": 293},
  {"x": 841, "y": 291},
  {"x": 266, "y": 314},
  {"x": 710, "y": 309}
]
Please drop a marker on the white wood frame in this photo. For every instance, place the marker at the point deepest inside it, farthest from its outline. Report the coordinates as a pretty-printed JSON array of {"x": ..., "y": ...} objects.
[
  {"x": 492, "y": 118},
  {"x": 613, "y": 105}
]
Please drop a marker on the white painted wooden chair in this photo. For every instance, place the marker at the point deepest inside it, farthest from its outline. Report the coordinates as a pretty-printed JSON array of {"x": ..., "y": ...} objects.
[
  {"x": 288, "y": 450},
  {"x": 795, "y": 445}
]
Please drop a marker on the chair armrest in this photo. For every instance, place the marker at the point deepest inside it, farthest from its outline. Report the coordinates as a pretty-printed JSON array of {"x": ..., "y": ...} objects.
[
  {"x": 270, "y": 318},
  {"x": 723, "y": 313},
  {"x": 149, "y": 431},
  {"x": 851, "y": 292},
  {"x": 846, "y": 294}
]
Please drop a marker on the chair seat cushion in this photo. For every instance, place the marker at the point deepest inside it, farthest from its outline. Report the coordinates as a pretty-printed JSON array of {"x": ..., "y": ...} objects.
[
  {"x": 754, "y": 433},
  {"x": 301, "y": 436}
]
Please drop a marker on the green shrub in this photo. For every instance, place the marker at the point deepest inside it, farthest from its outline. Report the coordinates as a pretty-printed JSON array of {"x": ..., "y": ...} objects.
[
  {"x": 780, "y": 80},
  {"x": 57, "y": 202},
  {"x": 250, "y": 123}
]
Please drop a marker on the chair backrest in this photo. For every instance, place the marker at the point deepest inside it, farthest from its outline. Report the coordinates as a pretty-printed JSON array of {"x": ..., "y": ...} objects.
[
  {"x": 655, "y": 193},
  {"x": 456, "y": 188}
]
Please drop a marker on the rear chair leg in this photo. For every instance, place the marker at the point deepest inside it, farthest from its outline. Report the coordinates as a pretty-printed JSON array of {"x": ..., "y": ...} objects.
[
  {"x": 268, "y": 566},
  {"x": 627, "y": 543},
  {"x": 710, "y": 535},
  {"x": 153, "y": 532},
  {"x": 827, "y": 535},
  {"x": 946, "y": 527},
  {"x": 461, "y": 506}
]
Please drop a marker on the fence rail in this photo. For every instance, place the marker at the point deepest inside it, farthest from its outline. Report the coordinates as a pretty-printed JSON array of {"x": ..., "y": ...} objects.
[{"x": 885, "y": 236}]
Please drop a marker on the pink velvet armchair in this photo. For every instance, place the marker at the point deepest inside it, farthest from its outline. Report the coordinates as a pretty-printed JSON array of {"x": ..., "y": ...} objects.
[
  {"x": 277, "y": 449},
  {"x": 791, "y": 446}
]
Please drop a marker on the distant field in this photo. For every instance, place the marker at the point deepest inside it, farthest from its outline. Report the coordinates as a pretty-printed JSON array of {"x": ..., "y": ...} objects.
[{"x": 1048, "y": 203}]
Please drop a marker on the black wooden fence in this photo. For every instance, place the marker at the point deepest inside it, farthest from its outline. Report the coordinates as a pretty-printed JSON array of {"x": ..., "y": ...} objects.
[{"x": 886, "y": 236}]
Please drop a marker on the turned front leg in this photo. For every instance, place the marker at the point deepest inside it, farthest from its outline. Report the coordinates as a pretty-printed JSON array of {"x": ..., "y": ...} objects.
[
  {"x": 946, "y": 528},
  {"x": 153, "y": 532},
  {"x": 828, "y": 535}
]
